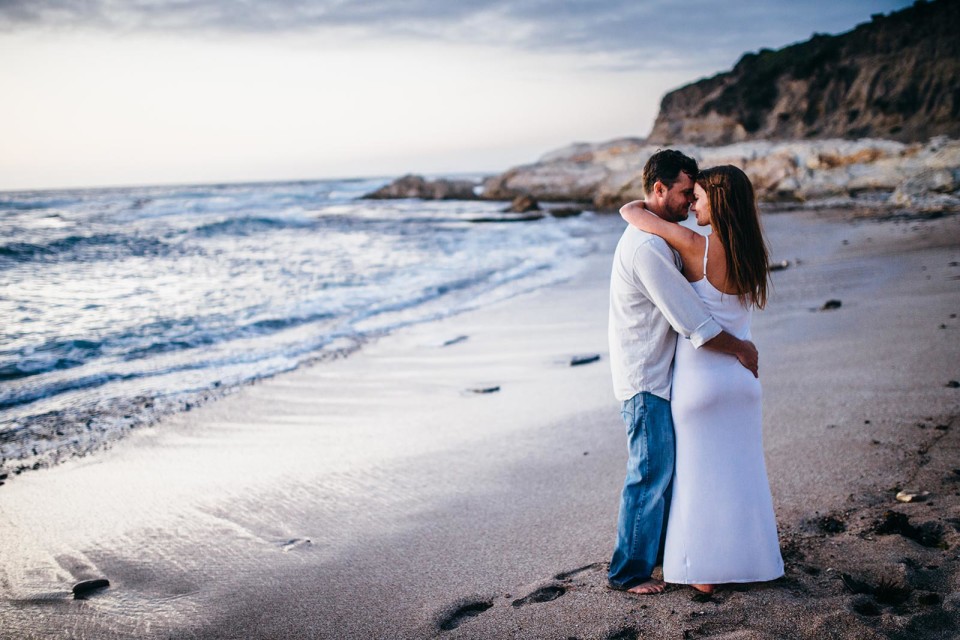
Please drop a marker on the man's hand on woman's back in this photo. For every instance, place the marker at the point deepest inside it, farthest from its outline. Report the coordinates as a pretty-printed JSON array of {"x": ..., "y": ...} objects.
[{"x": 743, "y": 350}]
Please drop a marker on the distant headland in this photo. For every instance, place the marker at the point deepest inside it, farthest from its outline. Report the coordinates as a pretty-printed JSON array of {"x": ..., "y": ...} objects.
[{"x": 867, "y": 119}]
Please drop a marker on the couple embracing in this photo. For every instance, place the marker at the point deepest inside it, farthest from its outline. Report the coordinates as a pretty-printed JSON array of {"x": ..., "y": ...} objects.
[{"x": 696, "y": 495}]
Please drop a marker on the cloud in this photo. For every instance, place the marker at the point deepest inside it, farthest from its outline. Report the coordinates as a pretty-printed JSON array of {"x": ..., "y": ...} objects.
[{"x": 615, "y": 33}]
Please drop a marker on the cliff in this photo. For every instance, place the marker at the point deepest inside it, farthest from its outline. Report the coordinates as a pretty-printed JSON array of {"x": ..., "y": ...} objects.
[{"x": 894, "y": 77}]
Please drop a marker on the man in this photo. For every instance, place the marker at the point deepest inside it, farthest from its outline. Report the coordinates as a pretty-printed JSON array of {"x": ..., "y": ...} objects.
[{"x": 650, "y": 304}]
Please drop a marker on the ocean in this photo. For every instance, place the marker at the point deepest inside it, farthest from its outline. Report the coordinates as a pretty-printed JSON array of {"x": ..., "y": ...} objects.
[{"x": 120, "y": 305}]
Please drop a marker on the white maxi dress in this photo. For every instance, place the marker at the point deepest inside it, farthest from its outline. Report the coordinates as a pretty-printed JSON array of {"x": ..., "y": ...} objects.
[{"x": 721, "y": 527}]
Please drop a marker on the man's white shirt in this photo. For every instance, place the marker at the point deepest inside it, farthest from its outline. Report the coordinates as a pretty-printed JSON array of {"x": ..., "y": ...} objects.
[{"x": 650, "y": 303}]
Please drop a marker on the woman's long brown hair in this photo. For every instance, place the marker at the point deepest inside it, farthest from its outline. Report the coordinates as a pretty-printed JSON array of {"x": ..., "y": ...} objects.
[{"x": 736, "y": 223}]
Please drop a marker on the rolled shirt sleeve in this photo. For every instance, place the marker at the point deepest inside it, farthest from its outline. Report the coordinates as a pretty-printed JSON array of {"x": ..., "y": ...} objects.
[{"x": 672, "y": 294}]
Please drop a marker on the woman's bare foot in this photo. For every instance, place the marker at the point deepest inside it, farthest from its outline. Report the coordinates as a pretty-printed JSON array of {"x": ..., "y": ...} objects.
[
  {"x": 705, "y": 588},
  {"x": 649, "y": 587}
]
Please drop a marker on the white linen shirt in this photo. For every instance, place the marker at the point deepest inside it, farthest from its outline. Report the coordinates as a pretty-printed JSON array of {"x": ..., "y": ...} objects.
[{"x": 650, "y": 303}]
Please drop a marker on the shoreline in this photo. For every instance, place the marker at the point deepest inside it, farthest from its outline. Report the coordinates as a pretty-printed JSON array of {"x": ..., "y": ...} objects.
[
  {"x": 389, "y": 501},
  {"x": 65, "y": 397}
]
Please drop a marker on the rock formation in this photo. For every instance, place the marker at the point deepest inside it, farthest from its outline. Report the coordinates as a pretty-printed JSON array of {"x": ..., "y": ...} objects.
[
  {"x": 570, "y": 174},
  {"x": 894, "y": 77},
  {"x": 413, "y": 186},
  {"x": 880, "y": 173}
]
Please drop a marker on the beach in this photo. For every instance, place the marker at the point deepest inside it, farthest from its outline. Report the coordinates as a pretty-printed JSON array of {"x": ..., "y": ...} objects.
[{"x": 460, "y": 479}]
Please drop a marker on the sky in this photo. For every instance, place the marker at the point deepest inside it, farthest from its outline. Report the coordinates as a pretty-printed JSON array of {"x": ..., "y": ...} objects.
[{"x": 140, "y": 92}]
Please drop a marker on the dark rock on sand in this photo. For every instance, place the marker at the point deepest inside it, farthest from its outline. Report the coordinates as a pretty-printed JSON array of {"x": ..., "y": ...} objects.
[
  {"x": 523, "y": 204},
  {"x": 82, "y": 589},
  {"x": 296, "y": 543},
  {"x": 953, "y": 384},
  {"x": 780, "y": 266},
  {"x": 831, "y": 304},
  {"x": 576, "y": 361},
  {"x": 484, "y": 389},
  {"x": 414, "y": 186}
]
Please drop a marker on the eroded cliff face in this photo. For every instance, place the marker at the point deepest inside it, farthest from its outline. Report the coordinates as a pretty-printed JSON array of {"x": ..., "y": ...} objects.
[{"x": 895, "y": 77}]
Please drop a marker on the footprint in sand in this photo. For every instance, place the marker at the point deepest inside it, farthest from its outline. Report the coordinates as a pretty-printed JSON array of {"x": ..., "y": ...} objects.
[
  {"x": 82, "y": 590},
  {"x": 626, "y": 633},
  {"x": 543, "y": 594},
  {"x": 462, "y": 613},
  {"x": 569, "y": 574}
]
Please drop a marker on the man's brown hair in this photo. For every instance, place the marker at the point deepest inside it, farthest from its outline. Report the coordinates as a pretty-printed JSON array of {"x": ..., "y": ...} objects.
[{"x": 665, "y": 165}]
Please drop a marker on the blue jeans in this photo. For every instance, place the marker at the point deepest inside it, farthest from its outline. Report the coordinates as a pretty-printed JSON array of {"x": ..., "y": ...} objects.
[{"x": 645, "y": 501}]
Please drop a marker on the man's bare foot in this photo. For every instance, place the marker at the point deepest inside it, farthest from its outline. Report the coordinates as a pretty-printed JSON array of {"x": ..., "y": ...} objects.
[
  {"x": 649, "y": 587},
  {"x": 704, "y": 588}
]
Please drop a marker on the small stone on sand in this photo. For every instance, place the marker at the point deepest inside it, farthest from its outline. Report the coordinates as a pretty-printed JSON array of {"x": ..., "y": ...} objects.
[
  {"x": 584, "y": 359},
  {"x": 779, "y": 266},
  {"x": 484, "y": 389},
  {"x": 831, "y": 304},
  {"x": 912, "y": 496}
]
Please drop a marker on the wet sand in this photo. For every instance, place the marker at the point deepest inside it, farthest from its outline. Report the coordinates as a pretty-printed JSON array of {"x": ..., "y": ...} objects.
[{"x": 377, "y": 496}]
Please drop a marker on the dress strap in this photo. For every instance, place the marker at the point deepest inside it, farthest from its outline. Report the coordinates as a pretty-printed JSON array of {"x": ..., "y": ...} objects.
[{"x": 706, "y": 249}]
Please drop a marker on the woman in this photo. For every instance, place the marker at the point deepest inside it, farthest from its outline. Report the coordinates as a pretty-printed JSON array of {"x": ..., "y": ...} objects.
[{"x": 721, "y": 527}]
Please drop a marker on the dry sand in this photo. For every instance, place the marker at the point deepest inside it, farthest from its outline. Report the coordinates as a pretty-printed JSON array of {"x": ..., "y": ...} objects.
[{"x": 375, "y": 497}]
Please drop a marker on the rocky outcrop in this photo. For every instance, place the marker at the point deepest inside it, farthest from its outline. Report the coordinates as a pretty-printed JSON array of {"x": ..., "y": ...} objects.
[
  {"x": 868, "y": 172},
  {"x": 894, "y": 77},
  {"x": 413, "y": 186},
  {"x": 573, "y": 173},
  {"x": 523, "y": 204}
]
